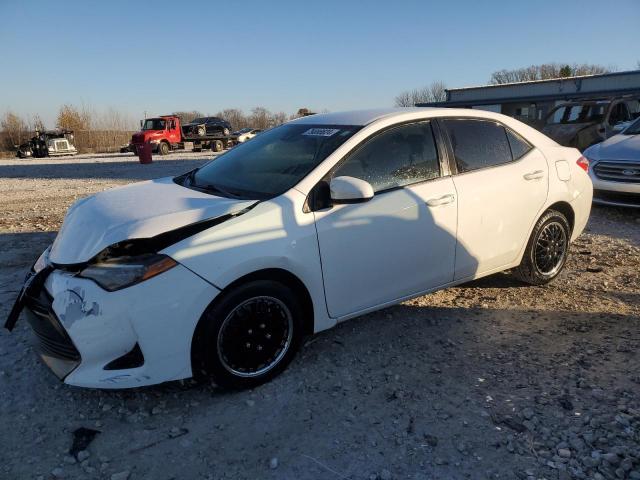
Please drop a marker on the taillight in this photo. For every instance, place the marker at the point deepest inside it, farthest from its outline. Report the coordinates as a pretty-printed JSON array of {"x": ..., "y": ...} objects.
[{"x": 583, "y": 163}]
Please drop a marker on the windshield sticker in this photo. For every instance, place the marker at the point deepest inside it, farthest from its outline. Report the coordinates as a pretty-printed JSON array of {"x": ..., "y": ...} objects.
[{"x": 321, "y": 132}]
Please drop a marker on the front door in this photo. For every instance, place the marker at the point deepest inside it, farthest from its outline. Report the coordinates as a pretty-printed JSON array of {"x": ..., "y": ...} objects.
[
  {"x": 402, "y": 241},
  {"x": 173, "y": 134}
]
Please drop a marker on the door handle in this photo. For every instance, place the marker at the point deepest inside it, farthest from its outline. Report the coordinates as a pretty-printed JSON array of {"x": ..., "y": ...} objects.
[
  {"x": 435, "y": 202},
  {"x": 534, "y": 175}
]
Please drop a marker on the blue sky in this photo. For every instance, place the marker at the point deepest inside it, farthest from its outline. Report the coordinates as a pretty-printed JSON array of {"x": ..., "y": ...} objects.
[{"x": 181, "y": 55}]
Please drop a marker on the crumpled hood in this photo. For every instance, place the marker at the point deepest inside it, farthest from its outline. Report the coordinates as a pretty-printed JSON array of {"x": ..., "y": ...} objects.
[
  {"x": 140, "y": 210},
  {"x": 620, "y": 147}
]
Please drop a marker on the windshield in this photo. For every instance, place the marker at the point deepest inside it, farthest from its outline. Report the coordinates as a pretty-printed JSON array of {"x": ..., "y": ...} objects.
[
  {"x": 588, "y": 113},
  {"x": 198, "y": 120},
  {"x": 154, "y": 124},
  {"x": 272, "y": 162},
  {"x": 633, "y": 129},
  {"x": 244, "y": 130}
]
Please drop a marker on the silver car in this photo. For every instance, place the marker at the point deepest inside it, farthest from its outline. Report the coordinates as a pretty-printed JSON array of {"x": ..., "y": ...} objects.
[{"x": 615, "y": 168}]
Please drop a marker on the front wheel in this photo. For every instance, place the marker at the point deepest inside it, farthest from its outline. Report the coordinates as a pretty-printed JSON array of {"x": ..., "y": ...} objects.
[
  {"x": 547, "y": 250},
  {"x": 163, "y": 148},
  {"x": 249, "y": 336}
]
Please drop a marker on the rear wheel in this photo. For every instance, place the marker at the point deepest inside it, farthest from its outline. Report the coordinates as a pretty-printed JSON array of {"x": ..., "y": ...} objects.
[
  {"x": 217, "y": 146},
  {"x": 249, "y": 336},
  {"x": 547, "y": 250},
  {"x": 163, "y": 148}
]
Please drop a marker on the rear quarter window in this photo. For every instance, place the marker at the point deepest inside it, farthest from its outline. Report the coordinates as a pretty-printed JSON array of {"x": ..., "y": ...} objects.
[{"x": 519, "y": 146}]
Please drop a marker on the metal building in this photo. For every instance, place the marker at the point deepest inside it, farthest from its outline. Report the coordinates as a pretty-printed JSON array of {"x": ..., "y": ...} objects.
[{"x": 531, "y": 101}]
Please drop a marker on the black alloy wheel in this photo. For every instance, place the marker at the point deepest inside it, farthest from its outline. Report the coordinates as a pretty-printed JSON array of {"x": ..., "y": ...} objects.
[
  {"x": 248, "y": 335},
  {"x": 547, "y": 249}
]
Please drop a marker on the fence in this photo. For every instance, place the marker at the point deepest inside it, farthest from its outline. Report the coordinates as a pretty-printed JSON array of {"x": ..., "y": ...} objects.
[{"x": 101, "y": 141}]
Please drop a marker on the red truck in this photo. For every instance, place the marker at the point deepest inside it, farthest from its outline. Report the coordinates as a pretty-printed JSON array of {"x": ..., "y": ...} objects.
[{"x": 166, "y": 133}]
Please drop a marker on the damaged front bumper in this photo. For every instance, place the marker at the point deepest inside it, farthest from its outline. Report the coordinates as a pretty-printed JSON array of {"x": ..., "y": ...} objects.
[
  {"x": 140, "y": 335},
  {"x": 55, "y": 347}
]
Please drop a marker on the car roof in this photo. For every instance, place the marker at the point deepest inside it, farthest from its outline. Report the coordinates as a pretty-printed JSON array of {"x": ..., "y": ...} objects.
[
  {"x": 366, "y": 117},
  {"x": 356, "y": 117},
  {"x": 397, "y": 115}
]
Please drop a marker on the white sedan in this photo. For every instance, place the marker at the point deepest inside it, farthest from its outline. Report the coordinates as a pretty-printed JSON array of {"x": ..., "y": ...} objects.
[
  {"x": 246, "y": 134},
  {"x": 222, "y": 271}
]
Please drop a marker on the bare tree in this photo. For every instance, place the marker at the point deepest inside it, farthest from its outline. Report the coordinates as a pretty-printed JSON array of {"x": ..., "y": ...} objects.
[
  {"x": 435, "y": 92},
  {"x": 235, "y": 117},
  {"x": 546, "y": 71},
  {"x": 112, "y": 120},
  {"x": 186, "y": 117},
  {"x": 37, "y": 124},
  {"x": 278, "y": 118},
  {"x": 15, "y": 130},
  {"x": 260, "y": 118},
  {"x": 404, "y": 99}
]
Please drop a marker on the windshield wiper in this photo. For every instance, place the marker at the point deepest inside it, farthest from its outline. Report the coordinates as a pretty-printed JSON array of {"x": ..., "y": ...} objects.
[
  {"x": 214, "y": 189},
  {"x": 207, "y": 187}
]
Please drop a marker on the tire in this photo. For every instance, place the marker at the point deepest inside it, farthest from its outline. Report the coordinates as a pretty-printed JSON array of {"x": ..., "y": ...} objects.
[
  {"x": 225, "y": 131},
  {"x": 547, "y": 249},
  {"x": 272, "y": 338},
  {"x": 217, "y": 146},
  {"x": 163, "y": 148},
  {"x": 202, "y": 131},
  {"x": 134, "y": 151}
]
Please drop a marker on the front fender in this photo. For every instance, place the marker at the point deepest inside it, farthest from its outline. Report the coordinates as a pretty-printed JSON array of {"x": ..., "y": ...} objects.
[{"x": 274, "y": 234}]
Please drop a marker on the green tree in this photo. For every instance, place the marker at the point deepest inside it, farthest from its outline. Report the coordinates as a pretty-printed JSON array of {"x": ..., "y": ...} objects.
[{"x": 566, "y": 71}]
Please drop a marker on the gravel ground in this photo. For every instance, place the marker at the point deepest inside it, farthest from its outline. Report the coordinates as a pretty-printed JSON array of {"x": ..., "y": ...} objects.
[{"x": 492, "y": 379}]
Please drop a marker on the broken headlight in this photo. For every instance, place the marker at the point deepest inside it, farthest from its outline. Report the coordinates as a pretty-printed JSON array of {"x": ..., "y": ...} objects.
[{"x": 117, "y": 273}]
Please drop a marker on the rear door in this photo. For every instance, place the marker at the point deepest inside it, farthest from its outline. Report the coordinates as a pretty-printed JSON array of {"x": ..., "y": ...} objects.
[{"x": 501, "y": 183}]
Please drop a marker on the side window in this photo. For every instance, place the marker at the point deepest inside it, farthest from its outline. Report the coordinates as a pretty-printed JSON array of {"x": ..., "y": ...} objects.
[
  {"x": 478, "y": 143},
  {"x": 519, "y": 146},
  {"x": 619, "y": 113},
  {"x": 400, "y": 156}
]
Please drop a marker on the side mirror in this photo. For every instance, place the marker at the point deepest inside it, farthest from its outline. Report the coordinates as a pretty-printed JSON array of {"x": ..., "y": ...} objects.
[
  {"x": 140, "y": 123},
  {"x": 350, "y": 190}
]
